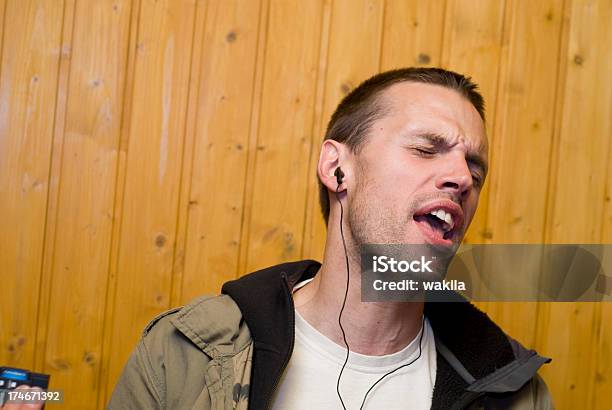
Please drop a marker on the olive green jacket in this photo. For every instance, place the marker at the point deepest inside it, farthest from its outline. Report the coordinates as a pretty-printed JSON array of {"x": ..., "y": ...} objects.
[{"x": 229, "y": 352}]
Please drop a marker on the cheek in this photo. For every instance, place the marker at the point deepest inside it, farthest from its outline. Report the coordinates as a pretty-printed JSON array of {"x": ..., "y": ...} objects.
[
  {"x": 394, "y": 182},
  {"x": 377, "y": 198},
  {"x": 412, "y": 172}
]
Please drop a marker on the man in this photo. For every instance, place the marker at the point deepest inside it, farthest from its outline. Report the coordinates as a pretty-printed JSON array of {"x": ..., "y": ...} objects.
[{"x": 399, "y": 149}]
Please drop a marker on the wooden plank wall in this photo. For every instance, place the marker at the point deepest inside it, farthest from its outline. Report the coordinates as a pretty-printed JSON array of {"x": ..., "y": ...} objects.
[{"x": 151, "y": 150}]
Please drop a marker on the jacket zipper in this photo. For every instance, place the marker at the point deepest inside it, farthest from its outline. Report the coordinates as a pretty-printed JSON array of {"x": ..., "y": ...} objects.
[{"x": 292, "y": 327}]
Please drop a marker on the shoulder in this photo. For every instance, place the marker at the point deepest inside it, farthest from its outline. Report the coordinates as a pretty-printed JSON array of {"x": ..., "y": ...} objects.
[
  {"x": 176, "y": 346},
  {"x": 206, "y": 323},
  {"x": 163, "y": 321}
]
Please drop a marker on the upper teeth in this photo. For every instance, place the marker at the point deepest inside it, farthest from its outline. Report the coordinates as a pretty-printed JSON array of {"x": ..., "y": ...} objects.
[{"x": 445, "y": 217}]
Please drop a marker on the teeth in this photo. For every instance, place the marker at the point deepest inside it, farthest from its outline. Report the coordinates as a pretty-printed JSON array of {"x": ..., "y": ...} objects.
[
  {"x": 448, "y": 219},
  {"x": 438, "y": 213},
  {"x": 445, "y": 217}
]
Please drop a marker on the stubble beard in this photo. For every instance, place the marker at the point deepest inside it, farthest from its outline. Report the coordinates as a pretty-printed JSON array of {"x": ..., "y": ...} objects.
[{"x": 372, "y": 220}]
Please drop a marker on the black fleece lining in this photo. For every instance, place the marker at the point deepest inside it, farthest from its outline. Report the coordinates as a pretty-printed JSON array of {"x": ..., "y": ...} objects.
[
  {"x": 266, "y": 304},
  {"x": 449, "y": 386},
  {"x": 479, "y": 344}
]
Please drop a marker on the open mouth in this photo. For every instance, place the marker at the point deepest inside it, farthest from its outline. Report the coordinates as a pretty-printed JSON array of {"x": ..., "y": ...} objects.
[{"x": 440, "y": 224}]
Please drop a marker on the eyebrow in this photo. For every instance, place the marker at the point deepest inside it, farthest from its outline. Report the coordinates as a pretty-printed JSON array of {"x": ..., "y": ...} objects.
[{"x": 440, "y": 141}]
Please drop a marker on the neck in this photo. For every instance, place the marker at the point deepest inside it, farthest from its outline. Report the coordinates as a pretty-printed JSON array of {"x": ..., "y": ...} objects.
[{"x": 371, "y": 328}]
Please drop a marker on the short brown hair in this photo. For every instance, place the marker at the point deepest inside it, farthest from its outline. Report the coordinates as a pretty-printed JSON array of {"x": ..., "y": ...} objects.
[{"x": 358, "y": 110}]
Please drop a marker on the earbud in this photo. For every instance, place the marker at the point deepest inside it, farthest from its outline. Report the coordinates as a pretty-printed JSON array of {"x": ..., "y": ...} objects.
[{"x": 339, "y": 175}]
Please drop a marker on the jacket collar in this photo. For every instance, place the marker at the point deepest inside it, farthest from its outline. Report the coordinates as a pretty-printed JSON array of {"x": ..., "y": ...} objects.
[
  {"x": 474, "y": 356},
  {"x": 265, "y": 299}
]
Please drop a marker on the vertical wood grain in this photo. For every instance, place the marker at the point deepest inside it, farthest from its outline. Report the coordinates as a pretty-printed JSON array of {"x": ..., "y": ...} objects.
[
  {"x": 191, "y": 122},
  {"x": 31, "y": 36},
  {"x": 105, "y": 384},
  {"x": 283, "y": 141},
  {"x": 584, "y": 139},
  {"x": 254, "y": 120},
  {"x": 602, "y": 377},
  {"x": 85, "y": 198},
  {"x": 524, "y": 123},
  {"x": 61, "y": 104},
  {"x": 3, "y": 4},
  {"x": 154, "y": 161},
  {"x": 569, "y": 332},
  {"x": 412, "y": 33},
  {"x": 224, "y": 104}
]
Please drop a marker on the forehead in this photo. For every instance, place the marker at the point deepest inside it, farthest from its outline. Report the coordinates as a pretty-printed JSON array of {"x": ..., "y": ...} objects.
[{"x": 428, "y": 108}]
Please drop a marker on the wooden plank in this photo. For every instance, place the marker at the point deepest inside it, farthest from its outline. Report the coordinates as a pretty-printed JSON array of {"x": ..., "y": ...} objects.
[
  {"x": 602, "y": 386},
  {"x": 154, "y": 162},
  {"x": 3, "y": 4},
  {"x": 276, "y": 221},
  {"x": 569, "y": 332},
  {"x": 54, "y": 184},
  {"x": 584, "y": 115},
  {"x": 86, "y": 192},
  {"x": 191, "y": 122},
  {"x": 412, "y": 33},
  {"x": 254, "y": 120},
  {"x": 105, "y": 385},
  {"x": 602, "y": 378},
  {"x": 221, "y": 143},
  {"x": 354, "y": 55},
  {"x": 31, "y": 34},
  {"x": 524, "y": 123}
]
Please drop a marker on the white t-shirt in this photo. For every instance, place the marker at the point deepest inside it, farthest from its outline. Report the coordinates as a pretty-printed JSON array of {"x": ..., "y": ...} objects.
[{"x": 309, "y": 381}]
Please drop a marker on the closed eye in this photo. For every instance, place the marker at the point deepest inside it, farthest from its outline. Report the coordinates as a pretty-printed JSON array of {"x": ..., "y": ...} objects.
[{"x": 424, "y": 151}]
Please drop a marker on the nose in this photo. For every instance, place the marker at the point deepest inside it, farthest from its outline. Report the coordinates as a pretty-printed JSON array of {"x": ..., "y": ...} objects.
[{"x": 455, "y": 177}]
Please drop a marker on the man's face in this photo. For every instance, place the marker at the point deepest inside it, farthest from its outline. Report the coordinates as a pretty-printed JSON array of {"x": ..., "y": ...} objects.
[{"x": 419, "y": 175}]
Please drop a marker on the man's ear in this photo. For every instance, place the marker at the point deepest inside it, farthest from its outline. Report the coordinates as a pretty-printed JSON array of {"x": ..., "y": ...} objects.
[{"x": 332, "y": 153}]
